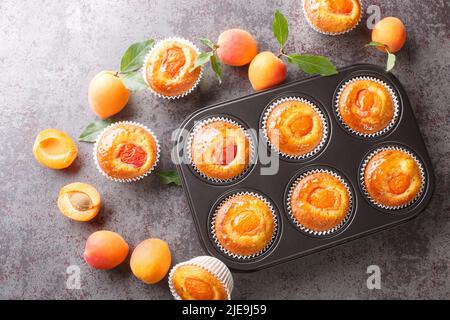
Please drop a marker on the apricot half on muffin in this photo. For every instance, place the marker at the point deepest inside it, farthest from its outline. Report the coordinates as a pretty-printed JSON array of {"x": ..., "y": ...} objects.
[
  {"x": 332, "y": 16},
  {"x": 79, "y": 201},
  {"x": 168, "y": 69},
  {"x": 393, "y": 178},
  {"x": 192, "y": 282},
  {"x": 126, "y": 151},
  {"x": 244, "y": 225},
  {"x": 294, "y": 128},
  {"x": 366, "y": 107},
  {"x": 54, "y": 149},
  {"x": 319, "y": 202},
  {"x": 220, "y": 149}
]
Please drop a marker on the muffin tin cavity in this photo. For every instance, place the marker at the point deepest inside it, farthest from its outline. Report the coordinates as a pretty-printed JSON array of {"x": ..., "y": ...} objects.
[
  {"x": 368, "y": 98},
  {"x": 300, "y": 115},
  {"x": 273, "y": 175},
  {"x": 399, "y": 179}
]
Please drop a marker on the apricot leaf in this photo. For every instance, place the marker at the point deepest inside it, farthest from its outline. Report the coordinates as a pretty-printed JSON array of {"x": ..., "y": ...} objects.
[
  {"x": 208, "y": 43},
  {"x": 91, "y": 132},
  {"x": 134, "y": 81},
  {"x": 280, "y": 28},
  {"x": 202, "y": 58},
  {"x": 312, "y": 64},
  {"x": 134, "y": 57},
  {"x": 217, "y": 68},
  {"x": 375, "y": 44},
  {"x": 168, "y": 177},
  {"x": 390, "y": 61}
]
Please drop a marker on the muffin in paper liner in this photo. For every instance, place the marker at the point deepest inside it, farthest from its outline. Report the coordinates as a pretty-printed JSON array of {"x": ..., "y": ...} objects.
[
  {"x": 334, "y": 229},
  {"x": 156, "y": 46},
  {"x": 201, "y": 124},
  {"x": 363, "y": 169},
  {"x": 395, "y": 101},
  {"x": 274, "y": 233},
  {"x": 158, "y": 152},
  {"x": 330, "y": 33},
  {"x": 325, "y": 130},
  {"x": 210, "y": 264}
]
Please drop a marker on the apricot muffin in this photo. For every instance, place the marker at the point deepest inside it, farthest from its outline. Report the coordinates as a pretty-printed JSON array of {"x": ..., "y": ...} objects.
[
  {"x": 126, "y": 151},
  {"x": 244, "y": 225},
  {"x": 366, "y": 106},
  {"x": 319, "y": 202},
  {"x": 219, "y": 149},
  {"x": 201, "y": 278},
  {"x": 168, "y": 69},
  {"x": 393, "y": 178},
  {"x": 295, "y": 128},
  {"x": 332, "y": 16}
]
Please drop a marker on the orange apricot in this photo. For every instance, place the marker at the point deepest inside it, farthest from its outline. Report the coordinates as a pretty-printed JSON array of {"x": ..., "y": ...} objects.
[
  {"x": 391, "y": 32},
  {"x": 79, "y": 201},
  {"x": 105, "y": 250},
  {"x": 266, "y": 70},
  {"x": 151, "y": 260},
  {"x": 107, "y": 94},
  {"x": 54, "y": 149},
  {"x": 236, "y": 47}
]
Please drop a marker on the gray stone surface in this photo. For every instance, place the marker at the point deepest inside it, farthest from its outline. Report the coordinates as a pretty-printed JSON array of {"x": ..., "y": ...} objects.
[{"x": 49, "y": 51}]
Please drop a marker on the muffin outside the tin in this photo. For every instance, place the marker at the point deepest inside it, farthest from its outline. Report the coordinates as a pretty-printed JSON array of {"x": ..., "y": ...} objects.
[
  {"x": 219, "y": 149},
  {"x": 393, "y": 177},
  {"x": 244, "y": 225},
  {"x": 367, "y": 106},
  {"x": 295, "y": 127},
  {"x": 319, "y": 202}
]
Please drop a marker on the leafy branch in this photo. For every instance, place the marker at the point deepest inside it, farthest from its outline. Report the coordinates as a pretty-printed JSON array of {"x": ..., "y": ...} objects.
[
  {"x": 131, "y": 65},
  {"x": 209, "y": 56},
  {"x": 391, "y": 58}
]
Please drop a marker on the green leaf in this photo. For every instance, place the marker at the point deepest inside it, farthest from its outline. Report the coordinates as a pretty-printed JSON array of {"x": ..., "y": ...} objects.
[
  {"x": 92, "y": 130},
  {"x": 375, "y": 44},
  {"x": 208, "y": 43},
  {"x": 202, "y": 58},
  {"x": 312, "y": 64},
  {"x": 168, "y": 177},
  {"x": 390, "y": 61},
  {"x": 217, "y": 68},
  {"x": 280, "y": 28},
  {"x": 134, "y": 81},
  {"x": 134, "y": 57}
]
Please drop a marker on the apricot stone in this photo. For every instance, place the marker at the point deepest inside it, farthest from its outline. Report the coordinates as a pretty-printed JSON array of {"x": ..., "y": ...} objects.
[
  {"x": 236, "y": 47},
  {"x": 105, "y": 250},
  {"x": 54, "y": 149},
  {"x": 390, "y": 31},
  {"x": 107, "y": 94},
  {"x": 151, "y": 260},
  {"x": 266, "y": 70},
  {"x": 79, "y": 201}
]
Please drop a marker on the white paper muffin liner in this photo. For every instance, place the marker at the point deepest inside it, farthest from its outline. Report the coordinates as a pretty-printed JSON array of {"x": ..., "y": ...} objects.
[
  {"x": 157, "y": 46},
  {"x": 158, "y": 151},
  {"x": 363, "y": 169},
  {"x": 331, "y": 33},
  {"x": 269, "y": 244},
  {"x": 316, "y": 109},
  {"x": 334, "y": 229},
  {"x": 200, "y": 125},
  {"x": 211, "y": 264},
  {"x": 395, "y": 102}
]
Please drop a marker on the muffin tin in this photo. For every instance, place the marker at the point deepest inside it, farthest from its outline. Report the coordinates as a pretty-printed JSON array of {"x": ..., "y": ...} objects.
[{"x": 343, "y": 153}]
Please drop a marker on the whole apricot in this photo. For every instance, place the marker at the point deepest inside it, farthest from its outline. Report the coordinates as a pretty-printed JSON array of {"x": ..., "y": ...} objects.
[
  {"x": 54, "y": 149},
  {"x": 236, "y": 47},
  {"x": 151, "y": 260},
  {"x": 107, "y": 94},
  {"x": 266, "y": 70},
  {"x": 391, "y": 32},
  {"x": 79, "y": 201},
  {"x": 105, "y": 250}
]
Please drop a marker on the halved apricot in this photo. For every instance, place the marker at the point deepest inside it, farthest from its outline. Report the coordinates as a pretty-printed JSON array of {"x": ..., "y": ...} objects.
[
  {"x": 54, "y": 149},
  {"x": 79, "y": 201}
]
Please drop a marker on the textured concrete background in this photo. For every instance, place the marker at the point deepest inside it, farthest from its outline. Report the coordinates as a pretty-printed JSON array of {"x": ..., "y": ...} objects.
[{"x": 49, "y": 51}]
